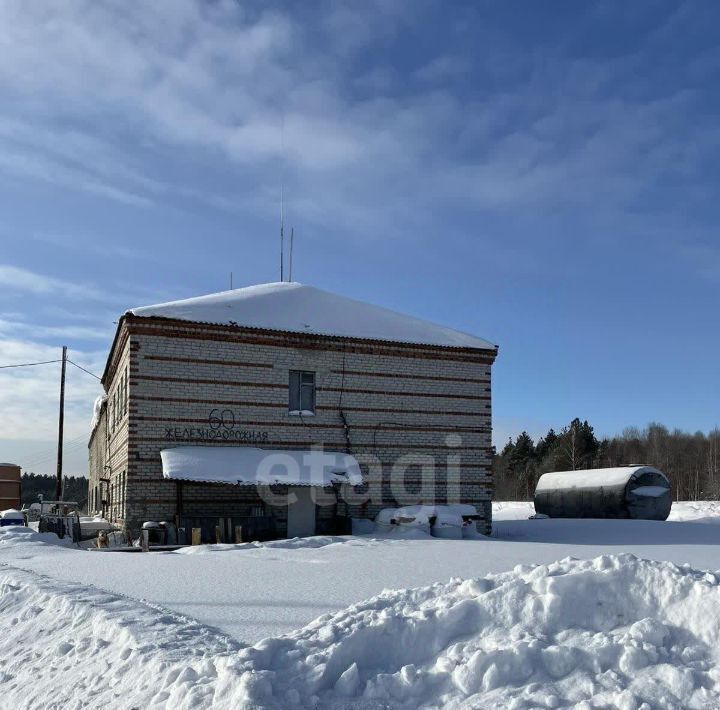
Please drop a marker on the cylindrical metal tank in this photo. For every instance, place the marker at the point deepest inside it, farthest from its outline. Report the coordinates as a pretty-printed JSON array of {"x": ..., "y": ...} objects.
[{"x": 640, "y": 492}]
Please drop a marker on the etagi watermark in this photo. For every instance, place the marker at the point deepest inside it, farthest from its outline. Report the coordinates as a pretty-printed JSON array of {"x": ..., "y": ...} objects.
[{"x": 362, "y": 479}]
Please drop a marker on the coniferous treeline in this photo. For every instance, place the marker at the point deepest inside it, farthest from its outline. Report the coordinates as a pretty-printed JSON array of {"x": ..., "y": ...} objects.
[
  {"x": 75, "y": 488},
  {"x": 690, "y": 461}
]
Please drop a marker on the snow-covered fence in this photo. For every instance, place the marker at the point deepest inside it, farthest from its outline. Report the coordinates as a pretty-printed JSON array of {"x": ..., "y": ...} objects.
[
  {"x": 259, "y": 527},
  {"x": 640, "y": 492},
  {"x": 61, "y": 525}
]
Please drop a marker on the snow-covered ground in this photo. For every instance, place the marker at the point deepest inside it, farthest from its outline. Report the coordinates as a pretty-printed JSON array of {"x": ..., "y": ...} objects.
[
  {"x": 473, "y": 623},
  {"x": 681, "y": 510}
]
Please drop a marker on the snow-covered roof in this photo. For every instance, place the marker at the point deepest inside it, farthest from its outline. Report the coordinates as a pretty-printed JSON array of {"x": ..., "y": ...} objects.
[
  {"x": 246, "y": 465},
  {"x": 294, "y": 307},
  {"x": 592, "y": 478},
  {"x": 97, "y": 409}
]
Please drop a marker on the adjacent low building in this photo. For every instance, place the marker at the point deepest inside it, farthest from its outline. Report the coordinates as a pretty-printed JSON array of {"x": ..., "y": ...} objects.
[
  {"x": 287, "y": 410},
  {"x": 10, "y": 483}
]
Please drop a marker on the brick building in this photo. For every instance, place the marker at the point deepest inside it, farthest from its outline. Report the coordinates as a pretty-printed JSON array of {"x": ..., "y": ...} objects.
[
  {"x": 216, "y": 408},
  {"x": 10, "y": 477}
]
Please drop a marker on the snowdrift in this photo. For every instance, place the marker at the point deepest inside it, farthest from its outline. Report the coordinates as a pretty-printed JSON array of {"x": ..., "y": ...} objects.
[{"x": 616, "y": 631}]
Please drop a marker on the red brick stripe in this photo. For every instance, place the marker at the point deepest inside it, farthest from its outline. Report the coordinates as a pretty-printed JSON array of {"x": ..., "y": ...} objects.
[
  {"x": 315, "y": 425},
  {"x": 319, "y": 408},
  {"x": 184, "y": 329},
  {"x": 405, "y": 376},
  {"x": 198, "y": 361},
  {"x": 391, "y": 393}
]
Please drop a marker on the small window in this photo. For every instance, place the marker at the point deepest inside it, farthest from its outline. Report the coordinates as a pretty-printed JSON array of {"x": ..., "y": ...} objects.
[{"x": 302, "y": 392}]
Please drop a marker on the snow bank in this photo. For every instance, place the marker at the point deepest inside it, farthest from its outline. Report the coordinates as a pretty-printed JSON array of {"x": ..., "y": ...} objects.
[
  {"x": 611, "y": 632},
  {"x": 28, "y": 539},
  {"x": 512, "y": 510},
  {"x": 695, "y": 510},
  {"x": 682, "y": 510},
  {"x": 70, "y": 646},
  {"x": 295, "y": 543}
]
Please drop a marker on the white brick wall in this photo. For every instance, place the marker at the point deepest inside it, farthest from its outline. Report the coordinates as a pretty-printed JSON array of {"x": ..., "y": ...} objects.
[{"x": 398, "y": 400}]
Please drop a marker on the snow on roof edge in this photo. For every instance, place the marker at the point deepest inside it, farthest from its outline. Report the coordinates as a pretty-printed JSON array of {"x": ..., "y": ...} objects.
[
  {"x": 325, "y": 307},
  {"x": 491, "y": 348}
]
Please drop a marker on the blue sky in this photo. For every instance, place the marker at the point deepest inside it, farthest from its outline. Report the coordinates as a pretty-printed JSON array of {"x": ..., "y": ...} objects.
[{"x": 544, "y": 175}]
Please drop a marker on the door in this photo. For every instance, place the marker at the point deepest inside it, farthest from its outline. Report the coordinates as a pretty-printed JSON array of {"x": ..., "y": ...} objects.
[{"x": 301, "y": 513}]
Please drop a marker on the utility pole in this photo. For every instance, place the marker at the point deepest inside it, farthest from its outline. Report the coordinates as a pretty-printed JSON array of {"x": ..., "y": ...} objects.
[{"x": 58, "y": 482}]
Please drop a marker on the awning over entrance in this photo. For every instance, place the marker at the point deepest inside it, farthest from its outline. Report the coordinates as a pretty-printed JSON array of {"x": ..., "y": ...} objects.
[{"x": 249, "y": 466}]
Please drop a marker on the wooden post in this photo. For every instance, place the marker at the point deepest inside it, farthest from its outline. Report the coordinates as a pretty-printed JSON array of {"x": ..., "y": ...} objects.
[
  {"x": 178, "y": 502},
  {"x": 238, "y": 534},
  {"x": 218, "y": 534},
  {"x": 145, "y": 540},
  {"x": 196, "y": 536},
  {"x": 61, "y": 421}
]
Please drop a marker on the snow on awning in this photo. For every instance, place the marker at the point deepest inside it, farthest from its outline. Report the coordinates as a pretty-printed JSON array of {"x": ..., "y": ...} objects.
[{"x": 249, "y": 466}]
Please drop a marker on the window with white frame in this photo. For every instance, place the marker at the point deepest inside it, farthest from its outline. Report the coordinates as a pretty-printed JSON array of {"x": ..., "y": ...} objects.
[{"x": 302, "y": 392}]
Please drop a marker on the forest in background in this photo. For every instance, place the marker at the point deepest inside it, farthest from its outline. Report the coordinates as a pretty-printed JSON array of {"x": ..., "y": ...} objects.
[
  {"x": 75, "y": 488},
  {"x": 690, "y": 461}
]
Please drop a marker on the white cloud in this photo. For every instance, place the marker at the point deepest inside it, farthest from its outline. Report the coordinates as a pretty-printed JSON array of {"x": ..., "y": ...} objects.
[
  {"x": 215, "y": 79},
  {"x": 43, "y": 332},
  {"x": 29, "y": 395},
  {"x": 111, "y": 102},
  {"x": 21, "y": 279}
]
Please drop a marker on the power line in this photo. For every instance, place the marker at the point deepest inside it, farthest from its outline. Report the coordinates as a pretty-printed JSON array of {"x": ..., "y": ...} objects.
[
  {"x": 31, "y": 364},
  {"x": 47, "y": 459},
  {"x": 49, "y": 362},
  {"x": 84, "y": 370},
  {"x": 44, "y": 452}
]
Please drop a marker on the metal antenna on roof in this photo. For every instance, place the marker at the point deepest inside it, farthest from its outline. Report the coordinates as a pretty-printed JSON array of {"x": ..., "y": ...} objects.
[
  {"x": 282, "y": 190},
  {"x": 282, "y": 236},
  {"x": 292, "y": 237}
]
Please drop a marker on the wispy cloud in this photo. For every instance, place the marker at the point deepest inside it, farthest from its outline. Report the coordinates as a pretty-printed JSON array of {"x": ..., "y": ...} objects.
[
  {"x": 389, "y": 136},
  {"x": 20, "y": 279},
  {"x": 441, "y": 68},
  {"x": 218, "y": 80},
  {"x": 17, "y": 328},
  {"x": 29, "y": 396},
  {"x": 97, "y": 244}
]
